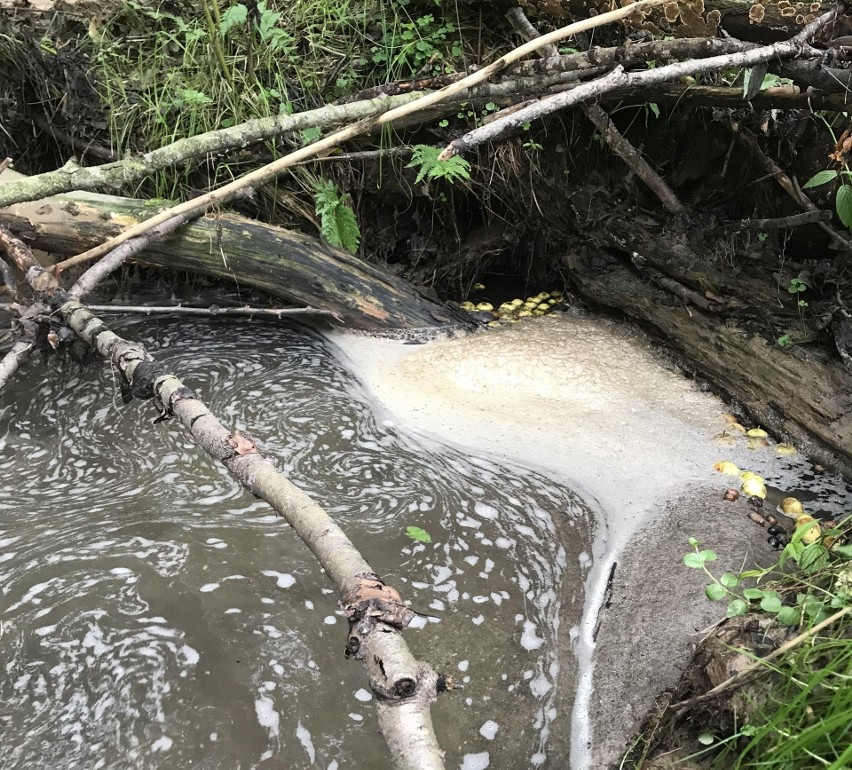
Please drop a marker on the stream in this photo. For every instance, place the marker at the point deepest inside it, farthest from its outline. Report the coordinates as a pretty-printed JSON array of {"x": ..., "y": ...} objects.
[{"x": 154, "y": 615}]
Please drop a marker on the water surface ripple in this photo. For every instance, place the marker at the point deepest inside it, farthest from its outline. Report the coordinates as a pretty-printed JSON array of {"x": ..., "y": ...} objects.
[{"x": 154, "y": 615}]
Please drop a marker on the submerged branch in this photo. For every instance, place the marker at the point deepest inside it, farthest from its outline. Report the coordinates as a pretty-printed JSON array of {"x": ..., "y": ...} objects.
[{"x": 245, "y": 312}]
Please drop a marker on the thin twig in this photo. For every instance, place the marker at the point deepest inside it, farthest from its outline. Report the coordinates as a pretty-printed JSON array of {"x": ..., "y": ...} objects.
[
  {"x": 777, "y": 223},
  {"x": 781, "y": 177},
  {"x": 266, "y": 312},
  {"x": 738, "y": 678},
  {"x": 265, "y": 173}
]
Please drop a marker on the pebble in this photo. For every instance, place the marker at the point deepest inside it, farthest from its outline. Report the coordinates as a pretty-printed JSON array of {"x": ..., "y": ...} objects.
[
  {"x": 757, "y": 518},
  {"x": 731, "y": 494}
]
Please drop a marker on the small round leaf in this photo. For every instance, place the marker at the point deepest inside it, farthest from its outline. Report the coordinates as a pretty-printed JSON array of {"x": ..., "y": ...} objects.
[
  {"x": 737, "y": 607},
  {"x": 729, "y": 580},
  {"x": 714, "y": 592},
  {"x": 770, "y": 604},
  {"x": 693, "y": 560}
]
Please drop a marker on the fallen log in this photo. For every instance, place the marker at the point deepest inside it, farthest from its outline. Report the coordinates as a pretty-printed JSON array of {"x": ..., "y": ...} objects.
[
  {"x": 793, "y": 392},
  {"x": 293, "y": 267}
]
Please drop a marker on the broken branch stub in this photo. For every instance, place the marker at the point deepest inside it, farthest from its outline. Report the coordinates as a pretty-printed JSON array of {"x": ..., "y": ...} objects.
[{"x": 370, "y": 605}]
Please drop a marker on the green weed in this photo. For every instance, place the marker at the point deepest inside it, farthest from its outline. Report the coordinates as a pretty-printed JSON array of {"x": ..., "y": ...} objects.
[
  {"x": 338, "y": 223},
  {"x": 425, "y": 159},
  {"x": 806, "y": 719}
]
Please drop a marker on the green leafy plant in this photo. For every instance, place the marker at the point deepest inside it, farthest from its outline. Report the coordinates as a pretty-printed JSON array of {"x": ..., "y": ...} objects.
[
  {"x": 784, "y": 341},
  {"x": 843, "y": 196},
  {"x": 418, "y": 534},
  {"x": 770, "y": 80},
  {"x": 815, "y": 603},
  {"x": 796, "y": 286},
  {"x": 425, "y": 159},
  {"x": 412, "y": 45},
  {"x": 338, "y": 223}
]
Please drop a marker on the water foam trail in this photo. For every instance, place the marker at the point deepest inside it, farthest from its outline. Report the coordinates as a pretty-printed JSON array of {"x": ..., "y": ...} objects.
[{"x": 155, "y": 615}]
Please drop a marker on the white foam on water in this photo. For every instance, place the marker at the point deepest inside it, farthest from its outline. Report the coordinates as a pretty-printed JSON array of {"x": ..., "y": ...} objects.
[
  {"x": 475, "y": 761},
  {"x": 267, "y": 716},
  {"x": 283, "y": 580},
  {"x": 304, "y": 736}
]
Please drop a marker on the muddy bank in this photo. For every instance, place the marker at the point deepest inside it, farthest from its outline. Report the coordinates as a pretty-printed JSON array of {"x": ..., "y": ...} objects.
[{"x": 590, "y": 403}]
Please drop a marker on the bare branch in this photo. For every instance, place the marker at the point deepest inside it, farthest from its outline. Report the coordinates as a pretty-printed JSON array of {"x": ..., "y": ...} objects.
[
  {"x": 264, "y": 174},
  {"x": 404, "y": 686},
  {"x": 631, "y": 156},
  {"x": 13, "y": 359},
  {"x": 619, "y": 79},
  {"x": 249, "y": 312},
  {"x": 787, "y": 184}
]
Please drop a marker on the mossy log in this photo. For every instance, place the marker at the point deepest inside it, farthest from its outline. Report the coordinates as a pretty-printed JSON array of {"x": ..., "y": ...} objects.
[
  {"x": 294, "y": 267},
  {"x": 795, "y": 392}
]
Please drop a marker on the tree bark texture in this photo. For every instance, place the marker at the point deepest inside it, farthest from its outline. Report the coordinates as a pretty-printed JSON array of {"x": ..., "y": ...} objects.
[
  {"x": 795, "y": 392},
  {"x": 288, "y": 265}
]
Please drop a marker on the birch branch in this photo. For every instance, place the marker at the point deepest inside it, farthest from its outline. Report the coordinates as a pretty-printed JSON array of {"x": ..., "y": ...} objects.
[
  {"x": 405, "y": 687},
  {"x": 619, "y": 79},
  {"x": 265, "y": 173},
  {"x": 245, "y": 312},
  {"x": 19, "y": 353}
]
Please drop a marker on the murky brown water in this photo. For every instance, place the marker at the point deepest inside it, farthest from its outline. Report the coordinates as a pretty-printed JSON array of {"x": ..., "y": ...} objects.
[{"x": 155, "y": 616}]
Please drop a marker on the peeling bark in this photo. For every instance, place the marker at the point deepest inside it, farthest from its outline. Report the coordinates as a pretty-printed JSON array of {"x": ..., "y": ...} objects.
[{"x": 294, "y": 267}]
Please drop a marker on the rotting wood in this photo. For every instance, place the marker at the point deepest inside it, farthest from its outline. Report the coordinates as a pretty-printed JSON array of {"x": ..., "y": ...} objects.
[
  {"x": 287, "y": 265},
  {"x": 405, "y": 686},
  {"x": 794, "y": 392}
]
